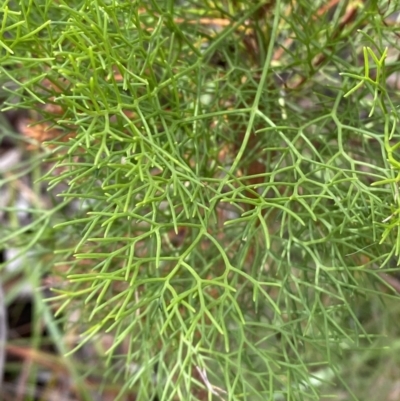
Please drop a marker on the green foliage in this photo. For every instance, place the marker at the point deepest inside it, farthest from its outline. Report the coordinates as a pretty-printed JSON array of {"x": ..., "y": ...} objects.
[{"x": 224, "y": 210}]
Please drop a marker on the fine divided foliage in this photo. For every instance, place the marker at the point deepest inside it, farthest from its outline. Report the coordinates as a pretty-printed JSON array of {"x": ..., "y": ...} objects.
[{"x": 222, "y": 206}]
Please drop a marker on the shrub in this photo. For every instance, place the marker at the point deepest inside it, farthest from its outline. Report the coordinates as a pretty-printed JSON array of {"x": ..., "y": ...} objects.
[{"x": 226, "y": 189}]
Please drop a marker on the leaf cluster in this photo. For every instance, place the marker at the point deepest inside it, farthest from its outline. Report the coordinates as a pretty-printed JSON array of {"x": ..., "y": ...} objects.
[{"x": 226, "y": 183}]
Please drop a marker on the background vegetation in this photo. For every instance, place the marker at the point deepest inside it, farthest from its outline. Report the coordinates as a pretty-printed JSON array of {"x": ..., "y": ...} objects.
[{"x": 210, "y": 189}]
